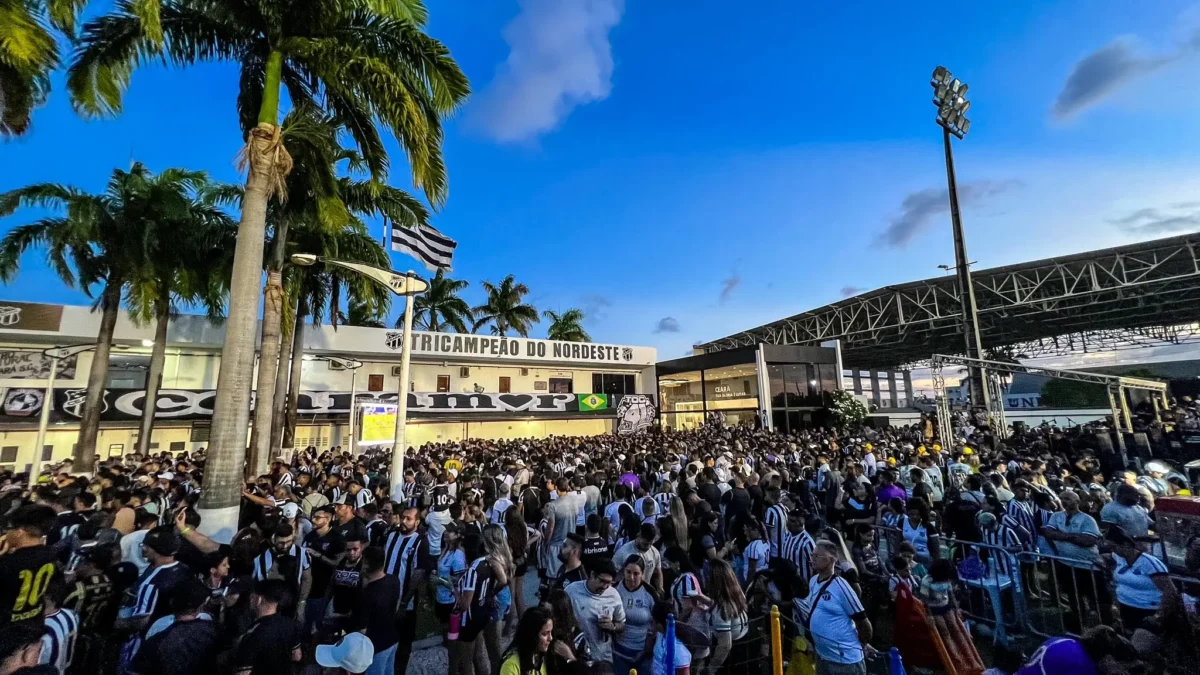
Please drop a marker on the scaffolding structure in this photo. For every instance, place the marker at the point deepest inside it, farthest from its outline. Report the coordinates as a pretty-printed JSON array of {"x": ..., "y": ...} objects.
[
  {"x": 1144, "y": 294},
  {"x": 1117, "y": 386}
]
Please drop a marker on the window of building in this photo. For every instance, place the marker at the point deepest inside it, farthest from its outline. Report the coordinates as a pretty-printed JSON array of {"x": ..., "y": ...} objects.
[
  {"x": 505, "y": 385},
  {"x": 8, "y": 454},
  {"x": 562, "y": 385},
  {"x": 375, "y": 383},
  {"x": 443, "y": 383},
  {"x": 47, "y": 453},
  {"x": 613, "y": 384},
  {"x": 176, "y": 446},
  {"x": 116, "y": 449}
]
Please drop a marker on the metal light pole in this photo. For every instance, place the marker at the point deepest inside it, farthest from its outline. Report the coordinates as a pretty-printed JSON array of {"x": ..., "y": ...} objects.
[
  {"x": 950, "y": 98},
  {"x": 56, "y": 354},
  {"x": 408, "y": 285},
  {"x": 400, "y": 443}
]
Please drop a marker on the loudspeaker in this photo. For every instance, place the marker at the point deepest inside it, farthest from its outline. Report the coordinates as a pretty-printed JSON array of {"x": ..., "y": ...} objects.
[
  {"x": 1104, "y": 445},
  {"x": 1140, "y": 446}
]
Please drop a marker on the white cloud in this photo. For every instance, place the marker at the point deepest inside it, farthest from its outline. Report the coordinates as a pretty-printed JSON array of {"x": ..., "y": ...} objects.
[{"x": 559, "y": 58}]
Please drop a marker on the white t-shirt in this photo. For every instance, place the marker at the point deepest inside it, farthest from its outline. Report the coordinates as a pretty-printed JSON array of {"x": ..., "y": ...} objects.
[
  {"x": 1135, "y": 585},
  {"x": 1081, "y": 523},
  {"x": 737, "y": 626},
  {"x": 683, "y": 658},
  {"x": 832, "y": 627}
]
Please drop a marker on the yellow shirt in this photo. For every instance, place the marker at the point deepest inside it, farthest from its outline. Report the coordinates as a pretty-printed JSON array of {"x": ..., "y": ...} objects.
[
  {"x": 512, "y": 666},
  {"x": 453, "y": 464}
]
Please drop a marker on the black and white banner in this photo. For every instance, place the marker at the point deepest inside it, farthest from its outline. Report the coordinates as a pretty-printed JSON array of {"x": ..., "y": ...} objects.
[
  {"x": 636, "y": 411},
  {"x": 20, "y": 365},
  {"x": 434, "y": 249}
]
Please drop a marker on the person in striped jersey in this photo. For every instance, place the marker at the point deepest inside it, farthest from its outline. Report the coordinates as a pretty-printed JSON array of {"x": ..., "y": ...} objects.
[
  {"x": 776, "y": 522},
  {"x": 360, "y": 494},
  {"x": 798, "y": 545},
  {"x": 404, "y": 549},
  {"x": 287, "y": 560},
  {"x": 62, "y": 627},
  {"x": 1002, "y": 545}
]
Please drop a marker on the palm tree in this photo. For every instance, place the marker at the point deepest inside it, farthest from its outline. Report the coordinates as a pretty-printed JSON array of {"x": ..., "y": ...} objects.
[
  {"x": 189, "y": 258},
  {"x": 319, "y": 291},
  {"x": 567, "y": 326},
  {"x": 359, "y": 313},
  {"x": 504, "y": 309},
  {"x": 323, "y": 200},
  {"x": 29, "y": 53},
  {"x": 364, "y": 62},
  {"x": 104, "y": 238},
  {"x": 440, "y": 306}
]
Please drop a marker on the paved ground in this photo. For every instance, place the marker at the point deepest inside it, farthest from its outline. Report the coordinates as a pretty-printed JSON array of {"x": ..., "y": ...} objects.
[{"x": 429, "y": 656}]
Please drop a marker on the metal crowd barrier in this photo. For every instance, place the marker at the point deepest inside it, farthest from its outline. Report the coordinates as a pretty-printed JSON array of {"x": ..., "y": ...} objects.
[{"x": 1025, "y": 593}]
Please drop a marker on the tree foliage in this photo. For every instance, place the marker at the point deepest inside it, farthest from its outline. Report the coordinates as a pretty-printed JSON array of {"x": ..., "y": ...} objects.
[
  {"x": 505, "y": 309},
  {"x": 567, "y": 326}
]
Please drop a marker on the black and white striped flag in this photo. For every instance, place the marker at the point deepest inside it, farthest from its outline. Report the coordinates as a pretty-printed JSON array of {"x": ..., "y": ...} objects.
[{"x": 426, "y": 244}]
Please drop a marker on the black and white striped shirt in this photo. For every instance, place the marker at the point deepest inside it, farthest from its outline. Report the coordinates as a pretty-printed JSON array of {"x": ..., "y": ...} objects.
[
  {"x": 335, "y": 493},
  {"x": 663, "y": 499},
  {"x": 1003, "y": 562},
  {"x": 266, "y": 560},
  {"x": 776, "y": 522},
  {"x": 400, "y": 558},
  {"x": 1022, "y": 514},
  {"x": 285, "y": 478},
  {"x": 363, "y": 498},
  {"x": 58, "y": 644},
  {"x": 480, "y": 581},
  {"x": 798, "y": 548}
]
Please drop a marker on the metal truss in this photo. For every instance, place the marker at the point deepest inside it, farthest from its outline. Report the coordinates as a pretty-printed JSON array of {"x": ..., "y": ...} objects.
[
  {"x": 1123, "y": 297},
  {"x": 1118, "y": 387}
]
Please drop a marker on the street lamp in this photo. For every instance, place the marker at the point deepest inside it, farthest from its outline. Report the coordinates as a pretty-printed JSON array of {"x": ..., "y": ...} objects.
[
  {"x": 56, "y": 354},
  {"x": 950, "y": 97},
  {"x": 408, "y": 285},
  {"x": 346, "y": 364}
]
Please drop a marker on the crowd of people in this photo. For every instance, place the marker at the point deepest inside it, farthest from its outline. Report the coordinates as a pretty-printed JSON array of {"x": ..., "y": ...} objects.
[{"x": 573, "y": 555}]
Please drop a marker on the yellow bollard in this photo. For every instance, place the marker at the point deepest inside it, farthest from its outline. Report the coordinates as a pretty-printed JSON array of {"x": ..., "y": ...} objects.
[{"x": 776, "y": 642}]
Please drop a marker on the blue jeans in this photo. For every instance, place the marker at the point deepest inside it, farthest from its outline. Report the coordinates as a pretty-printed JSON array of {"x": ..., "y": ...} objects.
[
  {"x": 384, "y": 662},
  {"x": 622, "y": 665}
]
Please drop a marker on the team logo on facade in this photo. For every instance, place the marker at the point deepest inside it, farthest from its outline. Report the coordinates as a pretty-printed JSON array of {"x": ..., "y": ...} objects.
[
  {"x": 393, "y": 340},
  {"x": 627, "y": 353},
  {"x": 22, "y": 402},
  {"x": 10, "y": 316},
  {"x": 635, "y": 412},
  {"x": 73, "y": 403}
]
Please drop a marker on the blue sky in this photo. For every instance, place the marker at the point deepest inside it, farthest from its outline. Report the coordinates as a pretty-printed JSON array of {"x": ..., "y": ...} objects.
[{"x": 685, "y": 170}]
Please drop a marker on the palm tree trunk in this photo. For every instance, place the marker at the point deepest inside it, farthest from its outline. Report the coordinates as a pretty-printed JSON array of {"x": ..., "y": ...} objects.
[
  {"x": 89, "y": 425},
  {"x": 162, "y": 309},
  {"x": 268, "y": 165},
  {"x": 282, "y": 378},
  {"x": 268, "y": 368},
  {"x": 293, "y": 397}
]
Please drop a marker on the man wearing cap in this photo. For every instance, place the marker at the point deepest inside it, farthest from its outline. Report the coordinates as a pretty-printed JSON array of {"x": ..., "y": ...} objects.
[
  {"x": 325, "y": 548},
  {"x": 155, "y": 587},
  {"x": 348, "y": 524},
  {"x": 27, "y": 558}
]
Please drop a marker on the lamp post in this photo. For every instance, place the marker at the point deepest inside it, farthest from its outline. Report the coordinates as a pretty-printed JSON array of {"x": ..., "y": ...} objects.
[
  {"x": 408, "y": 285},
  {"x": 56, "y": 354},
  {"x": 346, "y": 364},
  {"x": 949, "y": 95}
]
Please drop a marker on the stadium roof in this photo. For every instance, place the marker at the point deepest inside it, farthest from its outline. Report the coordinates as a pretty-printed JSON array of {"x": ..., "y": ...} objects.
[{"x": 1121, "y": 297}]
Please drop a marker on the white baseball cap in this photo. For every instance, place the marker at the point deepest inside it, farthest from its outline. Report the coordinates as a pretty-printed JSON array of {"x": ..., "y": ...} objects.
[
  {"x": 290, "y": 510},
  {"x": 353, "y": 653}
]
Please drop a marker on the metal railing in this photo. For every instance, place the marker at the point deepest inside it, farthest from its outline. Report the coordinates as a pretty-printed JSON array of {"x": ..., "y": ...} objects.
[{"x": 1022, "y": 592}]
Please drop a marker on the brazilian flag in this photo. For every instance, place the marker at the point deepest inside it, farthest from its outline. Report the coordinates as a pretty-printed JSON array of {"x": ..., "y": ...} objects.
[{"x": 588, "y": 402}]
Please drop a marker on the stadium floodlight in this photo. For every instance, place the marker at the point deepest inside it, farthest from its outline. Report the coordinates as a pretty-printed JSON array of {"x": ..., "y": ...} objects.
[{"x": 950, "y": 97}]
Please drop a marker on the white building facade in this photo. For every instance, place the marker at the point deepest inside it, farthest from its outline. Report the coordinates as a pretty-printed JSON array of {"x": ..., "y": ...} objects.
[{"x": 462, "y": 386}]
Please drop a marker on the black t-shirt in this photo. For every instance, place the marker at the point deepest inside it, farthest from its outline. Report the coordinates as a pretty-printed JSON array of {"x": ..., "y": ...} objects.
[
  {"x": 594, "y": 548},
  {"x": 345, "y": 586},
  {"x": 354, "y": 528},
  {"x": 24, "y": 576},
  {"x": 757, "y": 501},
  {"x": 184, "y": 648},
  {"x": 710, "y": 493},
  {"x": 739, "y": 505},
  {"x": 155, "y": 589},
  {"x": 330, "y": 545},
  {"x": 267, "y": 647},
  {"x": 377, "y": 612}
]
